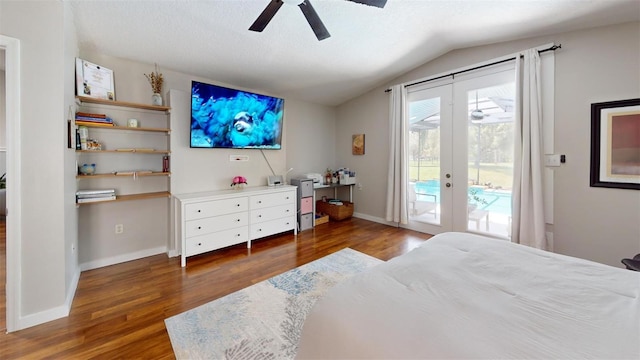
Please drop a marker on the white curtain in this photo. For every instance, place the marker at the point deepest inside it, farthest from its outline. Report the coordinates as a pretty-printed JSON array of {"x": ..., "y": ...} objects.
[
  {"x": 396, "y": 208},
  {"x": 528, "y": 225}
]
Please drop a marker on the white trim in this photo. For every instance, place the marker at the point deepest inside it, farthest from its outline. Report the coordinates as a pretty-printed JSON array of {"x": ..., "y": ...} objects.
[
  {"x": 374, "y": 219},
  {"x": 14, "y": 219},
  {"x": 122, "y": 258},
  {"x": 44, "y": 316}
]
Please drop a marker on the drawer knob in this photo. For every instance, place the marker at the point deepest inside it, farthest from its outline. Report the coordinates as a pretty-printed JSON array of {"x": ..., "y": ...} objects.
[
  {"x": 237, "y": 220},
  {"x": 238, "y": 205},
  {"x": 259, "y": 216},
  {"x": 259, "y": 201},
  {"x": 199, "y": 210},
  {"x": 199, "y": 244},
  {"x": 237, "y": 235},
  {"x": 199, "y": 227}
]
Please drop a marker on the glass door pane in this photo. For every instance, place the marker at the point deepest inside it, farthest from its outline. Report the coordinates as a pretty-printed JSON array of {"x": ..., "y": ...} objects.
[
  {"x": 429, "y": 156},
  {"x": 490, "y": 132}
]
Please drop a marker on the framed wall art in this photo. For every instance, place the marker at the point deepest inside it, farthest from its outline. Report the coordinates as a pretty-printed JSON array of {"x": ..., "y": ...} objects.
[
  {"x": 357, "y": 144},
  {"x": 93, "y": 80},
  {"x": 615, "y": 144}
]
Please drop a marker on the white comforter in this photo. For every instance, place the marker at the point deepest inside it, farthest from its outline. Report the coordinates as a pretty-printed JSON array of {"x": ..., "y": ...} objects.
[{"x": 467, "y": 296}]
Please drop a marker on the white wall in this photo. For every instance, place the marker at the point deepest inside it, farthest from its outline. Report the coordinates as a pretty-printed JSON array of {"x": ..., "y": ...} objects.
[
  {"x": 594, "y": 65},
  {"x": 39, "y": 27},
  {"x": 308, "y": 146}
]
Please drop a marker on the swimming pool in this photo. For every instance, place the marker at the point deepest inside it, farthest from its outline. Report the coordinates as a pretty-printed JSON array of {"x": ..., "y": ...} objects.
[{"x": 495, "y": 201}]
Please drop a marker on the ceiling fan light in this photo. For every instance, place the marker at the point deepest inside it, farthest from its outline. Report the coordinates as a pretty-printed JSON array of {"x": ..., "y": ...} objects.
[{"x": 293, "y": 2}]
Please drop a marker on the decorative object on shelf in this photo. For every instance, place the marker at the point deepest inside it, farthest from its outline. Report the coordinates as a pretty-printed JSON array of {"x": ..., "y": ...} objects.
[
  {"x": 94, "y": 80},
  {"x": 93, "y": 145},
  {"x": 88, "y": 169},
  {"x": 134, "y": 122},
  {"x": 239, "y": 182},
  {"x": 615, "y": 144},
  {"x": 155, "y": 79},
  {"x": 327, "y": 177},
  {"x": 357, "y": 145}
]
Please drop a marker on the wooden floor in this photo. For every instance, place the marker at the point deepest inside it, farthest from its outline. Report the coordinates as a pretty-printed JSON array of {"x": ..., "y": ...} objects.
[{"x": 118, "y": 311}]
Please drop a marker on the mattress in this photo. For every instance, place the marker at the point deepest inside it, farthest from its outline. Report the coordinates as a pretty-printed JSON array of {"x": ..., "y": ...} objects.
[{"x": 466, "y": 296}]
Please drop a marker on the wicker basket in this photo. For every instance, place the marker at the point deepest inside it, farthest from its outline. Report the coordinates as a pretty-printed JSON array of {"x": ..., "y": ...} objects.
[{"x": 335, "y": 212}]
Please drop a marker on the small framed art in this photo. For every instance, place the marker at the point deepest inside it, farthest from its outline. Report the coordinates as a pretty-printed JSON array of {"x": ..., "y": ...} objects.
[
  {"x": 615, "y": 144},
  {"x": 357, "y": 144},
  {"x": 93, "y": 80}
]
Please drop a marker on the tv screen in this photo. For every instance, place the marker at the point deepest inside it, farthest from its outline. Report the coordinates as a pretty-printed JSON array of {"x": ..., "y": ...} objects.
[{"x": 226, "y": 118}]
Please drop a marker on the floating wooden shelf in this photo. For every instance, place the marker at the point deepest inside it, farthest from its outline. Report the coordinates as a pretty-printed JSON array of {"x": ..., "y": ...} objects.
[
  {"x": 91, "y": 100},
  {"x": 142, "y": 196},
  {"x": 125, "y": 128},
  {"x": 110, "y": 175},
  {"x": 127, "y": 151}
]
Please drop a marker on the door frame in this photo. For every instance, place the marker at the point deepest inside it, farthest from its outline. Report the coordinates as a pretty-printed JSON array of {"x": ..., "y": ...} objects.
[
  {"x": 13, "y": 262},
  {"x": 454, "y": 217}
]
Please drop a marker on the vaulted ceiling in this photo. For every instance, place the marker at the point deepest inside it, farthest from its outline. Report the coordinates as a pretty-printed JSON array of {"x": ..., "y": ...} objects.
[{"x": 368, "y": 46}]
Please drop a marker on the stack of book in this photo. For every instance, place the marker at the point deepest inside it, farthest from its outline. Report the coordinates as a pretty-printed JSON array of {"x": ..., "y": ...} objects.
[
  {"x": 91, "y": 119},
  {"x": 85, "y": 196}
]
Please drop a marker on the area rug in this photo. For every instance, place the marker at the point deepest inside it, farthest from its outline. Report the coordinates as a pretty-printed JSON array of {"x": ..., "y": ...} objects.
[{"x": 262, "y": 321}]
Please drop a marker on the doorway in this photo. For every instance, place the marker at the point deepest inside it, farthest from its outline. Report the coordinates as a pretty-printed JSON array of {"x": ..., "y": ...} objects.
[{"x": 460, "y": 155}]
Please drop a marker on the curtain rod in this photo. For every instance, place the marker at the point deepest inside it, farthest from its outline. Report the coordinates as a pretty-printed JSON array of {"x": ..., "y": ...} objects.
[{"x": 453, "y": 74}]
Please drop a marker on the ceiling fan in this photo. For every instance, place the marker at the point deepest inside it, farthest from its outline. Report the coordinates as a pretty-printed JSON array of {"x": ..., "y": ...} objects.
[{"x": 312, "y": 17}]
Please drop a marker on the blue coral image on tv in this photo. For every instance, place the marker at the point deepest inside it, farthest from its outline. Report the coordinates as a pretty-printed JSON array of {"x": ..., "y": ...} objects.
[{"x": 228, "y": 118}]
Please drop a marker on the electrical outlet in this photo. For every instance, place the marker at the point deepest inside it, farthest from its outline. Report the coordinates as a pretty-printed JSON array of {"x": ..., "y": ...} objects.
[{"x": 119, "y": 228}]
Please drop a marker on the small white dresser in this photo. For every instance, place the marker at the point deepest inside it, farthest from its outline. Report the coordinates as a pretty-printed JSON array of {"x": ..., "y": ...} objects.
[{"x": 213, "y": 220}]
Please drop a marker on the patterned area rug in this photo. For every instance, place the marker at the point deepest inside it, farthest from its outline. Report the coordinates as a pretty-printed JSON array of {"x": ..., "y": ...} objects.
[{"x": 262, "y": 321}]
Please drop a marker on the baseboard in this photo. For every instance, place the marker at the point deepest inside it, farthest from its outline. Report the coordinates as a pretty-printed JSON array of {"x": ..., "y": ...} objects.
[
  {"x": 173, "y": 253},
  {"x": 43, "y": 317},
  {"x": 122, "y": 258},
  {"x": 374, "y": 219}
]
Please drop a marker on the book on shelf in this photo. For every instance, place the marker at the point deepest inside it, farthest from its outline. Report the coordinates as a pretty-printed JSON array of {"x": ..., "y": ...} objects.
[
  {"x": 95, "y": 199},
  {"x": 95, "y": 192},
  {"x": 94, "y": 115},
  {"x": 89, "y": 123},
  {"x": 100, "y": 120}
]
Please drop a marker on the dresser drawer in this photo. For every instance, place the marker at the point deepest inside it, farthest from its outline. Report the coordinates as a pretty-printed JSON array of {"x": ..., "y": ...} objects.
[
  {"x": 272, "y": 227},
  {"x": 216, "y": 223},
  {"x": 272, "y": 213},
  {"x": 268, "y": 200},
  {"x": 218, "y": 240},
  {"x": 215, "y": 208}
]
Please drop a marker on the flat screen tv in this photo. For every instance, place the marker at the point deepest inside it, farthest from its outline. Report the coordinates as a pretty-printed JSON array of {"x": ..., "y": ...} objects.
[{"x": 227, "y": 118}]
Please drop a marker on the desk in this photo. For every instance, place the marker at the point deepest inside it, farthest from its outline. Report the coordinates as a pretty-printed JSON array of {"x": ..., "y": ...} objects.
[{"x": 335, "y": 190}]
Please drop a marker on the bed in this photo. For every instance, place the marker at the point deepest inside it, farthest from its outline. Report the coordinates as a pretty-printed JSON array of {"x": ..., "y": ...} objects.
[{"x": 466, "y": 296}]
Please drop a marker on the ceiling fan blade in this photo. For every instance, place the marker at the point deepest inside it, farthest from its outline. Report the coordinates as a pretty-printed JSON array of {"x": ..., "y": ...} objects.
[
  {"x": 266, "y": 16},
  {"x": 314, "y": 20},
  {"x": 376, "y": 3}
]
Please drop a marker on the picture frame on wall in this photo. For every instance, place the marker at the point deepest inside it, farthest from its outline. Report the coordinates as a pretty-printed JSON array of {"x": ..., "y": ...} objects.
[
  {"x": 94, "y": 81},
  {"x": 615, "y": 144},
  {"x": 357, "y": 144}
]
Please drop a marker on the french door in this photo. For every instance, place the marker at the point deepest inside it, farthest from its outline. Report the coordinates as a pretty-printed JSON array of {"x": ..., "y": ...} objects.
[{"x": 460, "y": 153}]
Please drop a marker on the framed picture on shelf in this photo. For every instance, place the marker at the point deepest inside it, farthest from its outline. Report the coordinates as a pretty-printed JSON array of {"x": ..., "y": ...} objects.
[
  {"x": 93, "y": 80},
  {"x": 615, "y": 144}
]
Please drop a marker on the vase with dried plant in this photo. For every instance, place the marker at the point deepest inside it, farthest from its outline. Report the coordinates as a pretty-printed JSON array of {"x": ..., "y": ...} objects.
[{"x": 156, "y": 80}]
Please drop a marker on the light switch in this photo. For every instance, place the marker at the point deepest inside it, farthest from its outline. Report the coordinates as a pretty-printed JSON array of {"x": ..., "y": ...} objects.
[{"x": 552, "y": 160}]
